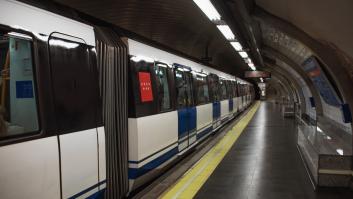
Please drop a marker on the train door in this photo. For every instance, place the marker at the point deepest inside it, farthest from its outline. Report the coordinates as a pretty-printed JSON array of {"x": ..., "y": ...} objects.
[
  {"x": 230, "y": 94},
  {"x": 186, "y": 108},
  {"x": 235, "y": 97},
  {"x": 76, "y": 96},
  {"x": 213, "y": 82},
  {"x": 29, "y": 157},
  {"x": 240, "y": 97}
]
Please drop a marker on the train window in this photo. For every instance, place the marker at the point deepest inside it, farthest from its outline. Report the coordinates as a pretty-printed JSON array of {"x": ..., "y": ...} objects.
[
  {"x": 18, "y": 104},
  {"x": 75, "y": 84},
  {"x": 223, "y": 89},
  {"x": 230, "y": 88},
  {"x": 201, "y": 88},
  {"x": 239, "y": 90},
  {"x": 161, "y": 71},
  {"x": 213, "y": 83},
  {"x": 180, "y": 84},
  {"x": 234, "y": 89},
  {"x": 184, "y": 88}
]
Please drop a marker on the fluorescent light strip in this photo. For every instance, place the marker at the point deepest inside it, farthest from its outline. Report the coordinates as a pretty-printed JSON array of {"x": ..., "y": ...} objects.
[
  {"x": 226, "y": 31},
  {"x": 209, "y": 10},
  {"x": 236, "y": 45},
  {"x": 319, "y": 129},
  {"x": 248, "y": 61},
  {"x": 243, "y": 54}
]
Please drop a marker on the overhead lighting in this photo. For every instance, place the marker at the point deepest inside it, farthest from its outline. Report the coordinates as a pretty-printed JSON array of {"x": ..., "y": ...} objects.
[
  {"x": 243, "y": 54},
  {"x": 252, "y": 67},
  {"x": 236, "y": 45},
  {"x": 319, "y": 129},
  {"x": 209, "y": 10},
  {"x": 226, "y": 31}
]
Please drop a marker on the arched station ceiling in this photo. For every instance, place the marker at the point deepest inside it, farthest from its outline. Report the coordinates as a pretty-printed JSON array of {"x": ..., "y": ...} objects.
[{"x": 324, "y": 20}]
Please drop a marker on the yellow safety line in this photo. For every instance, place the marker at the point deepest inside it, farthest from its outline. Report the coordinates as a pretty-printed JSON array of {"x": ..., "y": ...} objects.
[{"x": 189, "y": 184}]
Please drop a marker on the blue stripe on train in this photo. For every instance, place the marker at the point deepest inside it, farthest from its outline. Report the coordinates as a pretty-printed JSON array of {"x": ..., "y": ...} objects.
[
  {"x": 93, "y": 196},
  {"x": 137, "y": 172},
  {"x": 204, "y": 132},
  {"x": 97, "y": 195}
]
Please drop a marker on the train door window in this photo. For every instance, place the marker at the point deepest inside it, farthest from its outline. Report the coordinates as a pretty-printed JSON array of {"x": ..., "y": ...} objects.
[
  {"x": 189, "y": 89},
  {"x": 161, "y": 71},
  {"x": 181, "y": 88},
  {"x": 239, "y": 90},
  {"x": 234, "y": 89},
  {"x": 18, "y": 104},
  {"x": 184, "y": 88},
  {"x": 75, "y": 83},
  {"x": 142, "y": 89},
  {"x": 230, "y": 88},
  {"x": 201, "y": 87},
  {"x": 223, "y": 89},
  {"x": 213, "y": 82}
]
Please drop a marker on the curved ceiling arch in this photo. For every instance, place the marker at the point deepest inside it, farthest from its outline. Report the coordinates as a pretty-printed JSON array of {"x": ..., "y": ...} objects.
[{"x": 337, "y": 63}]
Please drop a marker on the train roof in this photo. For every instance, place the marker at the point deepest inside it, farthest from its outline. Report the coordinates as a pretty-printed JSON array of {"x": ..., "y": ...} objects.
[{"x": 39, "y": 21}]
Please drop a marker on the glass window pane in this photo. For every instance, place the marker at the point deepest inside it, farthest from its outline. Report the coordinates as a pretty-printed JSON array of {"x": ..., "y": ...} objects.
[
  {"x": 189, "y": 91},
  {"x": 214, "y": 86},
  {"x": 18, "y": 106},
  {"x": 223, "y": 89},
  {"x": 181, "y": 89},
  {"x": 74, "y": 84},
  {"x": 201, "y": 89},
  {"x": 161, "y": 71}
]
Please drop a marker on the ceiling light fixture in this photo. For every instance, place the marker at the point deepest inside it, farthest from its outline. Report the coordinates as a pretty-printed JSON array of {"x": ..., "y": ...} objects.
[
  {"x": 248, "y": 60},
  {"x": 252, "y": 67},
  {"x": 207, "y": 7},
  {"x": 236, "y": 45},
  {"x": 226, "y": 31},
  {"x": 319, "y": 129},
  {"x": 243, "y": 54}
]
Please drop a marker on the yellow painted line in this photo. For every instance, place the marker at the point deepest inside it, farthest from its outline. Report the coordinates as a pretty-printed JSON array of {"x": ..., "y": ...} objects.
[{"x": 190, "y": 183}]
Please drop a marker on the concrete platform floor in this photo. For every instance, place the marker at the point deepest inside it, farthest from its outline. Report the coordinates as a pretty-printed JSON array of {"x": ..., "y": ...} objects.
[{"x": 265, "y": 163}]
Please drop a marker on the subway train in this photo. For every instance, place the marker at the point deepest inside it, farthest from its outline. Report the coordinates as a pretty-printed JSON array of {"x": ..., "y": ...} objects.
[{"x": 56, "y": 112}]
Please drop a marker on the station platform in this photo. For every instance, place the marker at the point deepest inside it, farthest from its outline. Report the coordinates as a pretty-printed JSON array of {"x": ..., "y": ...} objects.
[{"x": 257, "y": 158}]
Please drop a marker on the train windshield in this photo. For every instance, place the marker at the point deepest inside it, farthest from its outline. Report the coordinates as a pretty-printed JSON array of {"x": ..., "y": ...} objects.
[{"x": 18, "y": 107}]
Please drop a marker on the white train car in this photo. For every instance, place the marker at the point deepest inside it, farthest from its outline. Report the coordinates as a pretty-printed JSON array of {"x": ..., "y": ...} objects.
[{"x": 175, "y": 104}]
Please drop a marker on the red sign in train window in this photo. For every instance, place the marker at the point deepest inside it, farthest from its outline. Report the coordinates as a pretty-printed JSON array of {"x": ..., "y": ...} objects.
[{"x": 145, "y": 87}]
